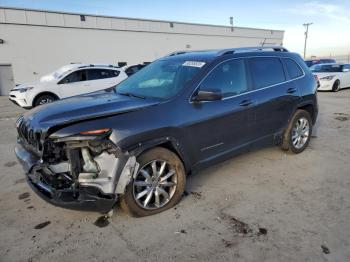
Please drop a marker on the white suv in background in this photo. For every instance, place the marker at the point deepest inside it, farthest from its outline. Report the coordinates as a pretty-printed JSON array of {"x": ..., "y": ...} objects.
[
  {"x": 332, "y": 77},
  {"x": 69, "y": 80}
]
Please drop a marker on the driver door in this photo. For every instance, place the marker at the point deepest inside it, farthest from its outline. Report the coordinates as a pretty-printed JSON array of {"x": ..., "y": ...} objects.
[
  {"x": 76, "y": 83},
  {"x": 222, "y": 126}
]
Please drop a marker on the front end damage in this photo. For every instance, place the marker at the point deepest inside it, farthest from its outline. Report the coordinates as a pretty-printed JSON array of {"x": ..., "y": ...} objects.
[{"x": 79, "y": 172}]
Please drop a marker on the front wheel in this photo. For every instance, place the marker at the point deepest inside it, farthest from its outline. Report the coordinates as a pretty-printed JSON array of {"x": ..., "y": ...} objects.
[
  {"x": 336, "y": 86},
  {"x": 297, "y": 136},
  {"x": 158, "y": 184},
  {"x": 44, "y": 99}
]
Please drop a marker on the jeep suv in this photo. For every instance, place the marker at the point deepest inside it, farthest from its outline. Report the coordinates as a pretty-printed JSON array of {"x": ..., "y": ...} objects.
[{"x": 137, "y": 142}]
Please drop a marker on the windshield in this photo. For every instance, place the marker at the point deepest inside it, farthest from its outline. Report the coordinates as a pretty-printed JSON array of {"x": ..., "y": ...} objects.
[
  {"x": 58, "y": 73},
  {"x": 161, "y": 79},
  {"x": 327, "y": 68}
]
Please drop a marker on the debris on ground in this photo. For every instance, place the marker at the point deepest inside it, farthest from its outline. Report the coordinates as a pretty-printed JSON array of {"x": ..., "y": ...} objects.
[
  {"x": 182, "y": 231},
  {"x": 262, "y": 231},
  {"x": 10, "y": 164},
  {"x": 197, "y": 195},
  {"x": 239, "y": 227},
  {"x": 342, "y": 116},
  {"x": 102, "y": 221},
  {"x": 42, "y": 225},
  {"x": 236, "y": 225},
  {"x": 23, "y": 196},
  {"x": 325, "y": 249}
]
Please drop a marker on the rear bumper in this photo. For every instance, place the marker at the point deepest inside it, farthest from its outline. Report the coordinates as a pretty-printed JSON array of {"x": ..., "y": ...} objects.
[{"x": 81, "y": 198}]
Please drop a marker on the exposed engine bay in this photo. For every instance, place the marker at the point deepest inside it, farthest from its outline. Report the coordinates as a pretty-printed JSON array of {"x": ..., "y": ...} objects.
[{"x": 77, "y": 169}]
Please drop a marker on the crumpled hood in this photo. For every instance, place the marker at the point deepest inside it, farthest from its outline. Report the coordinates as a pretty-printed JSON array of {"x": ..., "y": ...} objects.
[{"x": 83, "y": 107}]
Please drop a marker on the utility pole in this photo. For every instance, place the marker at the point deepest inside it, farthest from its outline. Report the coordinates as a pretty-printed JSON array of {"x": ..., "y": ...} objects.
[
  {"x": 231, "y": 23},
  {"x": 306, "y": 25}
]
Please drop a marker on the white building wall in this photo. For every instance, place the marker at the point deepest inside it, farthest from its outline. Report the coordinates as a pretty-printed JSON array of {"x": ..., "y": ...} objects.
[{"x": 38, "y": 42}]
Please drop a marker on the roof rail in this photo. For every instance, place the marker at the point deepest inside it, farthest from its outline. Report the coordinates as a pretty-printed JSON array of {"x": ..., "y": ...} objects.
[
  {"x": 98, "y": 65},
  {"x": 177, "y": 53},
  {"x": 250, "y": 49}
]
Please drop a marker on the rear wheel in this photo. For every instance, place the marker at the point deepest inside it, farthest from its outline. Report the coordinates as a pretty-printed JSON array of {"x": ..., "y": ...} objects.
[
  {"x": 158, "y": 185},
  {"x": 44, "y": 99},
  {"x": 336, "y": 86},
  {"x": 297, "y": 136}
]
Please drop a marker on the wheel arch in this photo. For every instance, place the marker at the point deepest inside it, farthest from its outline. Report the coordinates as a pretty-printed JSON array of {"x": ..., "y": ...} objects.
[
  {"x": 309, "y": 107},
  {"x": 170, "y": 143},
  {"x": 44, "y": 93}
]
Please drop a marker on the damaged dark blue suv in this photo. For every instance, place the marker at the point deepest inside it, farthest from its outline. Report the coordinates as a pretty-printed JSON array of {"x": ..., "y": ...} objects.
[{"x": 136, "y": 142}]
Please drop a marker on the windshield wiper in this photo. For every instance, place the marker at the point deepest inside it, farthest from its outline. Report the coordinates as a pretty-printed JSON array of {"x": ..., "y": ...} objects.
[{"x": 131, "y": 95}]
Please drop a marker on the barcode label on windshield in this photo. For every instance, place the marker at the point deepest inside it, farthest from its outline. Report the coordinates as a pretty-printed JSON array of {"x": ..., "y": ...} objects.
[{"x": 194, "y": 63}]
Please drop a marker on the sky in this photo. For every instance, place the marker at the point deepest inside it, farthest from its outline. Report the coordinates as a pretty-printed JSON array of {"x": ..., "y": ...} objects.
[{"x": 329, "y": 34}]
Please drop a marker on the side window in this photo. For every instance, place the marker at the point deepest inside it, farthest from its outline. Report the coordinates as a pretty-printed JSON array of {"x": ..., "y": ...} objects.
[
  {"x": 266, "y": 71},
  {"x": 113, "y": 73},
  {"x": 293, "y": 68},
  {"x": 77, "y": 76},
  {"x": 230, "y": 77},
  {"x": 95, "y": 74}
]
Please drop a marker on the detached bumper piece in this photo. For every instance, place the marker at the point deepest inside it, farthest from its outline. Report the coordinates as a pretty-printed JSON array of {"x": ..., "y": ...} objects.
[{"x": 82, "y": 198}]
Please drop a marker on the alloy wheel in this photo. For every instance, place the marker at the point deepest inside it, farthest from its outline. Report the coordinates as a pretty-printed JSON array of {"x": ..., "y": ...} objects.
[
  {"x": 300, "y": 132},
  {"x": 45, "y": 101},
  {"x": 155, "y": 184}
]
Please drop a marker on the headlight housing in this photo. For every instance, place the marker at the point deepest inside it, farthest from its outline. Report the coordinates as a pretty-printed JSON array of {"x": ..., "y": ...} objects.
[
  {"x": 328, "y": 78},
  {"x": 23, "y": 90}
]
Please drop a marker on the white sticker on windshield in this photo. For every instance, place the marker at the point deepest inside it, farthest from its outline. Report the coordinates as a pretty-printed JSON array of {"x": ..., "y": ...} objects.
[{"x": 194, "y": 63}]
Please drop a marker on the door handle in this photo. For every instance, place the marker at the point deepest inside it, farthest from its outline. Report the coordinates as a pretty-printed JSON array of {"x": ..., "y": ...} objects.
[
  {"x": 246, "y": 102},
  {"x": 291, "y": 90}
]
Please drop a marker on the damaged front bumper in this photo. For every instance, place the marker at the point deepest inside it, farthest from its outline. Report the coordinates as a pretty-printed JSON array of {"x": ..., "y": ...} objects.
[{"x": 84, "y": 181}]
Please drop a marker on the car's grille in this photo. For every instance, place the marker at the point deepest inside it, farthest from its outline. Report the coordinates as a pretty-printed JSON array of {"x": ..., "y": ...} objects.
[{"x": 28, "y": 137}]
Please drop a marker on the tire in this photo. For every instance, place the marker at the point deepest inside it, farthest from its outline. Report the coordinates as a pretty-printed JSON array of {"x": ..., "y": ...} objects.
[
  {"x": 142, "y": 183},
  {"x": 289, "y": 141},
  {"x": 44, "y": 99},
  {"x": 336, "y": 86}
]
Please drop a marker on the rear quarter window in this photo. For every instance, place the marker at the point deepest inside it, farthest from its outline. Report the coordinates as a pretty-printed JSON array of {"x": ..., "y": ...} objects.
[
  {"x": 266, "y": 71},
  {"x": 293, "y": 69}
]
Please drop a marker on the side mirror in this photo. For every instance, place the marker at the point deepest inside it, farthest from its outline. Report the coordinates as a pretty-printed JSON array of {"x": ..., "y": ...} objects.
[{"x": 208, "y": 95}]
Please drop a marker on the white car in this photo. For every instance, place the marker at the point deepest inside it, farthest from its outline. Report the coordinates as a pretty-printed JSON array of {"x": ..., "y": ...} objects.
[
  {"x": 332, "y": 77},
  {"x": 69, "y": 80}
]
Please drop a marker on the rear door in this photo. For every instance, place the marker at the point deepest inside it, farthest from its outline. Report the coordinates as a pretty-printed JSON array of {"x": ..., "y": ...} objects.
[
  {"x": 99, "y": 79},
  {"x": 276, "y": 93},
  {"x": 221, "y": 126}
]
